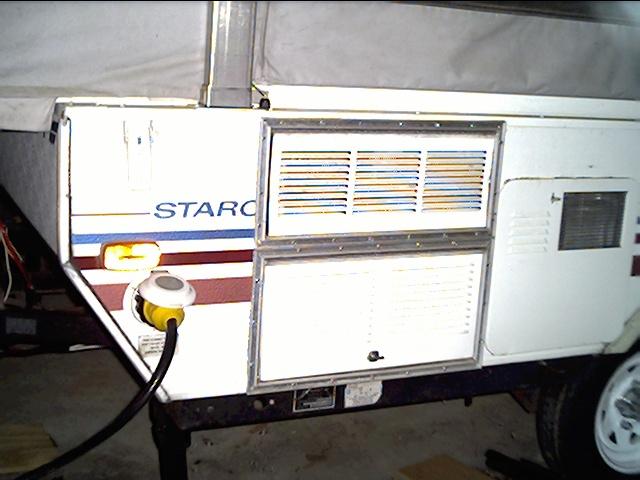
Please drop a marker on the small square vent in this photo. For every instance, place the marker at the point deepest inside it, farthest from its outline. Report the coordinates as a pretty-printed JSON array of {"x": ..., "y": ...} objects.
[{"x": 591, "y": 220}]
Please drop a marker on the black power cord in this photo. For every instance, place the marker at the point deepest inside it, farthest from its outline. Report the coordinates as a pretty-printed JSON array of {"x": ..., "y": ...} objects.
[{"x": 134, "y": 406}]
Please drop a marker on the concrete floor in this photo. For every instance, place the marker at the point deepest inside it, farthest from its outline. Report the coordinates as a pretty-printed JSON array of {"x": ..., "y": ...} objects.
[{"x": 73, "y": 395}]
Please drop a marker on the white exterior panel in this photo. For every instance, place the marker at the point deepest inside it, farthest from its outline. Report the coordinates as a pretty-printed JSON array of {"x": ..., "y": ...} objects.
[
  {"x": 541, "y": 303},
  {"x": 546, "y": 299}
]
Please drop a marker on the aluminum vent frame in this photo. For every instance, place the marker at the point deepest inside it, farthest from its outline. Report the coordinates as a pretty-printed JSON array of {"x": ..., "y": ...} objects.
[
  {"x": 302, "y": 248},
  {"x": 272, "y": 127}
]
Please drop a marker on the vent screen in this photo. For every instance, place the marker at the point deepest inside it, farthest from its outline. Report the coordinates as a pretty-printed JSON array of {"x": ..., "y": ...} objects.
[
  {"x": 335, "y": 182},
  {"x": 386, "y": 182},
  {"x": 313, "y": 183},
  {"x": 591, "y": 220},
  {"x": 454, "y": 181}
]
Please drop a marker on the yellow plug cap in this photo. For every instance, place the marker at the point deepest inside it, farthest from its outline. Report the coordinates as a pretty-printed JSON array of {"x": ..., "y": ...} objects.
[{"x": 159, "y": 316}]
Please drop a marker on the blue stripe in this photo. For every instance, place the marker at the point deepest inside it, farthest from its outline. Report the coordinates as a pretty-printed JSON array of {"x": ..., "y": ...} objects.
[{"x": 86, "y": 238}]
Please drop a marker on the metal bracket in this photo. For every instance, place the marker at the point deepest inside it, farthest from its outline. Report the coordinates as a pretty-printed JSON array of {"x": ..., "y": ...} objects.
[{"x": 229, "y": 58}]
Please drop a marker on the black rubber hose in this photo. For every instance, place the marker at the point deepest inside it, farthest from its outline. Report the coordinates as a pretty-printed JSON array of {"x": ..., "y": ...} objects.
[{"x": 134, "y": 406}]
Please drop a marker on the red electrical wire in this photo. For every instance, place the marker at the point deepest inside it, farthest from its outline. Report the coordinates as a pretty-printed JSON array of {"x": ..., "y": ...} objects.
[{"x": 15, "y": 256}]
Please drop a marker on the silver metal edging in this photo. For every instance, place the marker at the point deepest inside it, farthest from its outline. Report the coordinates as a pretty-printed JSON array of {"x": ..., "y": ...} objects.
[
  {"x": 364, "y": 376},
  {"x": 479, "y": 240},
  {"x": 255, "y": 385},
  {"x": 494, "y": 194}
]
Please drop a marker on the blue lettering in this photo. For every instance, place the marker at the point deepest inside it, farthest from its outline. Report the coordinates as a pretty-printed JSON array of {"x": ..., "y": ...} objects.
[
  {"x": 186, "y": 207},
  {"x": 166, "y": 212},
  {"x": 168, "y": 209},
  {"x": 243, "y": 208},
  {"x": 231, "y": 209},
  {"x": 204, "y": 208}
]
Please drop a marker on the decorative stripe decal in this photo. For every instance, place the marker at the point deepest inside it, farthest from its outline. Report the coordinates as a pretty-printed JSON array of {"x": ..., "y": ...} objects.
[
  {"x": 208, "y": 291},
  {"x": 183, "y": 258},
  {"x": 122, "y": 214},
  {"x": 86, "y": 238}
]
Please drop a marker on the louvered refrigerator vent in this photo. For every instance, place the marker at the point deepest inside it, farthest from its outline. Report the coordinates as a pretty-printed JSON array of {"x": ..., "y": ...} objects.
[
  {"x": 323, "y": 183},
  {"x": 313, "y": 183},
  {"x": 386, "y": 182},
  {"x": 454, "y": 181}
]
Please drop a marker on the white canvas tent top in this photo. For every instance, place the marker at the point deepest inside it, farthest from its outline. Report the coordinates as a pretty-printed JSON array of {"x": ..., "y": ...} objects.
[{"x": 158, "y": 50}]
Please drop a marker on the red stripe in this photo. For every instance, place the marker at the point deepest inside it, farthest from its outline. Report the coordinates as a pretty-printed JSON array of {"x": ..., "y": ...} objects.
[
  {"x": 208, "y": 291},
  {"x": 183, "y": 258},
  {"x": 197, "y": 258},
  {"x": 110, "y": 295}
]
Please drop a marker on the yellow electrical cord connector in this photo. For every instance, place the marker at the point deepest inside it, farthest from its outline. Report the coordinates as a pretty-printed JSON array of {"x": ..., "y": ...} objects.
[{"x": 159, "y": 316}]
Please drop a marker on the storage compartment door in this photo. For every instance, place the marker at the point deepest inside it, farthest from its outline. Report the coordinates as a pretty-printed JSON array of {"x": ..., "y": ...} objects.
[
  {"x": 328, "y": 316},
  {"x": 561, "y": 272}
]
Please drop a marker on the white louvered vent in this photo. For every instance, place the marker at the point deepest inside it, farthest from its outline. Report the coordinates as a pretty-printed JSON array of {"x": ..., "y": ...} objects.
[
  {"x": 324, "y": 183},
  {"x": 313, "y": 183},
  {"x": 454, "y": 180},
  {"x": 386, "y": 182},
  {"x": 529, "y": 232}
]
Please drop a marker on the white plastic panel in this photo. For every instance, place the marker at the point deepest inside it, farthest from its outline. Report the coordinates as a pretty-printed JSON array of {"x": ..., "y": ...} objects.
[
  {"x": 542, "y": 298},
  {"x": 168, "y": 169},
  {"x": 323, "y": 183},
  {"x": 185, "y": 179},
  {"x": 325, "y": 316},
  {"x": 211, "y": 356}
]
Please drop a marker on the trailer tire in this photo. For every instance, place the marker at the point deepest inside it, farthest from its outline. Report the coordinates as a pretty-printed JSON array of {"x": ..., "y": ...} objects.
[{"x": 565, "y": 421}]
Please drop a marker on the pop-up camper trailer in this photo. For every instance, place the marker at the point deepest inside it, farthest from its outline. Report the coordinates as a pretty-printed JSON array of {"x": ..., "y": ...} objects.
[{"x": 344, "y": 205}]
